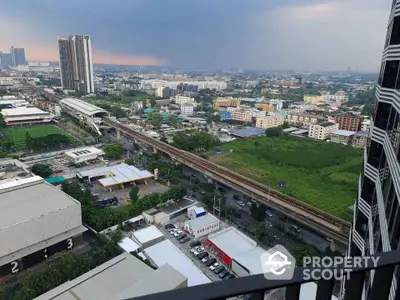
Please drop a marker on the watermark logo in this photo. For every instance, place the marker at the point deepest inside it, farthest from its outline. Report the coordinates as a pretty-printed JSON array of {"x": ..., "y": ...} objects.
[{"x": 278, "y": 263}]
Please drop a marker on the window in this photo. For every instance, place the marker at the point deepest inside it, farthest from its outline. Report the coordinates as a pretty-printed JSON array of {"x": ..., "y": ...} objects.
[
  {"x": 390, "y": 74},
  {"x": 367, "y": 190},
  {"x": 381, "y": 73},
  {"x": 362, "y": 224},
  {"x": 382, "y": 115},
  {"x": 394, "y": 227},
  {"x": 395, "y": 31},
  {"x": 376, "y": 156}
]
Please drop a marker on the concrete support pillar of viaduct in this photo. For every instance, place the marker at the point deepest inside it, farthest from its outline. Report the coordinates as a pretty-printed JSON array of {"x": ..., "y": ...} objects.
[
  {"x": 155, "y": 150},
  {"x": 118, "y": 134},
  {"x": 210, "y": 180}
]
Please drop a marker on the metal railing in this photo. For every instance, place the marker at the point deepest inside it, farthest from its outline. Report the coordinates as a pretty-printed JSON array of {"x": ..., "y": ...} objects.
[{"x": 257, "y": 285}]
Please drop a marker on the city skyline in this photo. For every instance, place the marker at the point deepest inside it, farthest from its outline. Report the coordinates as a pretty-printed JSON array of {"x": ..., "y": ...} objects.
[{"x": 327, "y": 34}]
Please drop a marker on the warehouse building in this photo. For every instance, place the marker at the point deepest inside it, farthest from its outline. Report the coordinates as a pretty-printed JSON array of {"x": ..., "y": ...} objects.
[
  {"x": 85, "y": 112},
  {"x": 114, "y": 176},
  {"x": 25, "y": 116},
  {"x": 37, "y": 220},
  {"x": 202, "y": 225},
  {"x": 83, "y": 154},
  {"x": 122, "y": 277},
  {"x": 167, "y": 253},
  {"x": 148, "y": 236},
  {"x": 228, "y": 244}
]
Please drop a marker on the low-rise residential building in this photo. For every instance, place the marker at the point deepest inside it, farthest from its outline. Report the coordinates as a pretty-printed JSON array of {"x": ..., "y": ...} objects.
[
  {"x": 348, "y": 122},
  {"x": 233, "y": 102},
  {"x": 315, "y": 100},
  {"x": 265, "y": 106},
  {"x": 365, "y": 125},
  {"x": 187, "y": 109},
  {"x": 242, "y": 115},
  {"x": 359, "y": 139},
  {"x": 322, "y": 131},
  {"x": 340, "y": 97},
  {"x": 303, "y": 119},
  {"x": 255, "y": 113},
  {"x": 269, "y": 121},
  {"x": 342, "y": 136}
]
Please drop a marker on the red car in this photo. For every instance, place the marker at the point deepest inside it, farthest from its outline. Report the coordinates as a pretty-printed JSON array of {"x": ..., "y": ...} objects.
[
  {"x": 283, "y": 219},
  {"x": 57, "y": 171}
]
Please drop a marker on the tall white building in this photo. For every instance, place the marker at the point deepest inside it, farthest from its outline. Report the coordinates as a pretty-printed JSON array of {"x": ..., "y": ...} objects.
[
  {"x": 76, "y": 63},
  {"x": 187, "y": 109}
]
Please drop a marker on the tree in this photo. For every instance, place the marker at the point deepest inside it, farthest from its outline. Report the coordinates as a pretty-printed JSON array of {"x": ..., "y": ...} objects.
[
  {"x": 285, "y": 125},
  {"x": 42, "y": 170},
  {"x": 173, "y": 120},
  {"x": 258, "y": 211},
  {"x": 153, "y": 101},
  {"x": 114, "y": 151},
  {"x": 7, "y": 144},
  {"x": 301, "y": 251},
  {"x": 274, "y": 131},
  {"x": 2, "y": 122},
  {"x": 367, "y": 109},
  {"x": 130, "y": 161},
  {"x": 155, "y": 119},
  {"x": 260, "y": 232},
  {"x": 133, "y": 194}
]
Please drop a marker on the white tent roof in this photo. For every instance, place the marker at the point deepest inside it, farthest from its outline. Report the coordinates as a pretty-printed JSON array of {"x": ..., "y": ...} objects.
[{"x": 167, "y": 253}]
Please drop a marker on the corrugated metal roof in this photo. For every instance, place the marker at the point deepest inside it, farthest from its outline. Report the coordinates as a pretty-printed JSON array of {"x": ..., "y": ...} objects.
[
  {"x": 167, "y": 253},
  {"x": 31, "y": 214},
  {"x": 147, "y": 234},
  {"x": 121, "y": 277},
  {"x": 128, "y": 245},
  {"x": 232, "y": 242},
  {"x": 251, "y": 260},
  {"x": 82, "y": 106},
  {"x": 343, "y": 132}
]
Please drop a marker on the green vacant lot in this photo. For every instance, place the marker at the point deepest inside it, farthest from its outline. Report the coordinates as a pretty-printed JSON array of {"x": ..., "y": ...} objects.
[
  {"x": 119, "y": 100},
  {"x": 18, "y": 134},
  {"x": 321, "y": 174}
]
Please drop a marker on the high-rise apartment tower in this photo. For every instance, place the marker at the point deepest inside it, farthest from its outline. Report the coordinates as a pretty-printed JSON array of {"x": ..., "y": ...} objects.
[
  {"x": 18, "y": 56},
  {"x": 376, "y": 222},
  {"x": 76, "y": 64}
]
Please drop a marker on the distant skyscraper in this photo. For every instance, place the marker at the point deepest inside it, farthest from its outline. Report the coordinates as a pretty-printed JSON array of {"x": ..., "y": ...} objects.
[
  {"x": 76, "y": 63},
  {"x": 5, "y": 60},
  {"x": 18, "y": 56}
]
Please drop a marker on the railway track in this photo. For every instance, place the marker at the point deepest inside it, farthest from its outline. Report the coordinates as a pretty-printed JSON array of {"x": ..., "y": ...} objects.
[{"x": 332, "y": 225}]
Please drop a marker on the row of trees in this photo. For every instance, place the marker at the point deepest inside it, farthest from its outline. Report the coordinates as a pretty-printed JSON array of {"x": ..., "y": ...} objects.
[
  {"x": 115, "y": 110},
  {"x": 68, "y": 267},
  {"x": 46, "y": 142},
  {"x": 156, "y": 119},
  {"x": 195, "y": 141},
  {"x": 166, "y": 171}
]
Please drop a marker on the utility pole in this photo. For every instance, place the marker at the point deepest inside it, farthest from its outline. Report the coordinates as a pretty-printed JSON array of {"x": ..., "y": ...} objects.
[{"x": 214, "y": 206}]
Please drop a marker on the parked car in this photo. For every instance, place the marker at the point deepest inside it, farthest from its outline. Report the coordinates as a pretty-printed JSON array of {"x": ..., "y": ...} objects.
[
  {"x": 221, "y": 189},
  {"x": 195, "y": 244},
  {"x": 223, "y": 274},
  {"x": 198, "y": 251},
  {"x": 210, "y": 262},
  {"x": 230, "y": 276},
  {"x": 236, "y": 197},
  {"x": 276, "y": 238},
  {"x": 295, "y": 228},
  {"x": 219, "y": 270},
  {"x": 181, "y": 236},
  {"x": 172, "y": 231},
  {"x": 204, "y": 259},
  {"x": 57, "y": 171},
  {"x": 241, "y": 203},
  {"x": 268, "y": 213},
  {"x": 283, "y": 219},
  {"x": 194, "y": 249},
  {"x": 202, "y": 255},
  {"x": 249, "y": 204},
  {"x": 184, "y": 240},
  {"x": 178, "y": 232},
  {"x": 169, "y": 226},
  {"x": 213, "y": 266}
]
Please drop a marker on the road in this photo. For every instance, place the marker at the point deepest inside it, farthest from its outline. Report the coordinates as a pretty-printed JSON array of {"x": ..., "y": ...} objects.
[{"x": 308, "y": 237}]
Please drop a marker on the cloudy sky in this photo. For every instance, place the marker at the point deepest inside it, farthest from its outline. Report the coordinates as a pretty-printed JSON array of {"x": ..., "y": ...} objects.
[{"x": 251, "y": 34}]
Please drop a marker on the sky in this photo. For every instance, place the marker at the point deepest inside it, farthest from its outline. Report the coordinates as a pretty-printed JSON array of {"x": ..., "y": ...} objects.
[{"x": 249, "y": 34}]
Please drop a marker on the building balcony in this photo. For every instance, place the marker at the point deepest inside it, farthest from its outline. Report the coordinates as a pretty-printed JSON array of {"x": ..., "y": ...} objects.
[{"x": 256, "y": 287}]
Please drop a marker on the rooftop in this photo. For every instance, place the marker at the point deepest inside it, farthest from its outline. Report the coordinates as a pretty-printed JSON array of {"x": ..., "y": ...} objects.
[
  {"x": 201, "y": 221},
  {"x": 128, "y": 245},
  {"x": 343, "y": 132},
  {"x": 248, "y": 132},
  {"x": 84, "y": 152},
  {"x": 82, "y": 106},
  {"x": 232, "y": 242},
  {"x": 362, "y": 133},
  {"x": 326, "y": 124},
  {"x": 121, "y": 277},
  {"x": 167, "y": 253},
  {"x": 147, "y": 234},
  {"x": 12, "y": 112},
  {"x": 251, "y": 260}
]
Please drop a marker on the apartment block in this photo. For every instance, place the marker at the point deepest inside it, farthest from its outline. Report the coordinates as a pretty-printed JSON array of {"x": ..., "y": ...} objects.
[
  {"x": 265, "y": 106},
  {"x": 348, "y": 122},
  {"x": 233, "y": 102},
  {"x": 303, "y": 119},
  {"x": 269, "y": 121},
  {"x": 242, "y": 115},
  {"x": 315, "y": 100},
  {"x": 322, "y": 131}
]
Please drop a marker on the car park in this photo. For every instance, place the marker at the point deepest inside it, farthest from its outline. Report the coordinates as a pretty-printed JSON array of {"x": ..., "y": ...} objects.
[
  {"x": 202, "y": 255},
  {"x": 195, "y": 244},
  {"x": 184, "y": 240},
  {"x": 219, "y": 270},
  {"x": 223, "y": 274},
  {"x": 215, "y": 265},
  {"x": 210, "y": 262}
]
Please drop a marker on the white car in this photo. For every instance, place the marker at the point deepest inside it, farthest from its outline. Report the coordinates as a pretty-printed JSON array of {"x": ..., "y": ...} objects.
[
  {"x": 241, "y": 203},
  {"x": 214, "y": 266},
  {"x": 178, "y": 232},
  {"x": 198, "y": 251},
  {"x": 194, "y": 249},
  {"x": 205, "y": 259},
  {"x": 172, "y": 231}
]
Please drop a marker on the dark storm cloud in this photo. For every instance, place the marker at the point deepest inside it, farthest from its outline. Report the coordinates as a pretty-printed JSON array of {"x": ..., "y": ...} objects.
[{"x": 190, "y": 33}]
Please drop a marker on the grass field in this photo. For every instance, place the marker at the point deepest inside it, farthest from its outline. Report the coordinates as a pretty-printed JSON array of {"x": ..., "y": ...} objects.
[
  {"x": 18, "y": 134},
  {"x": 322, "y": 174}
]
